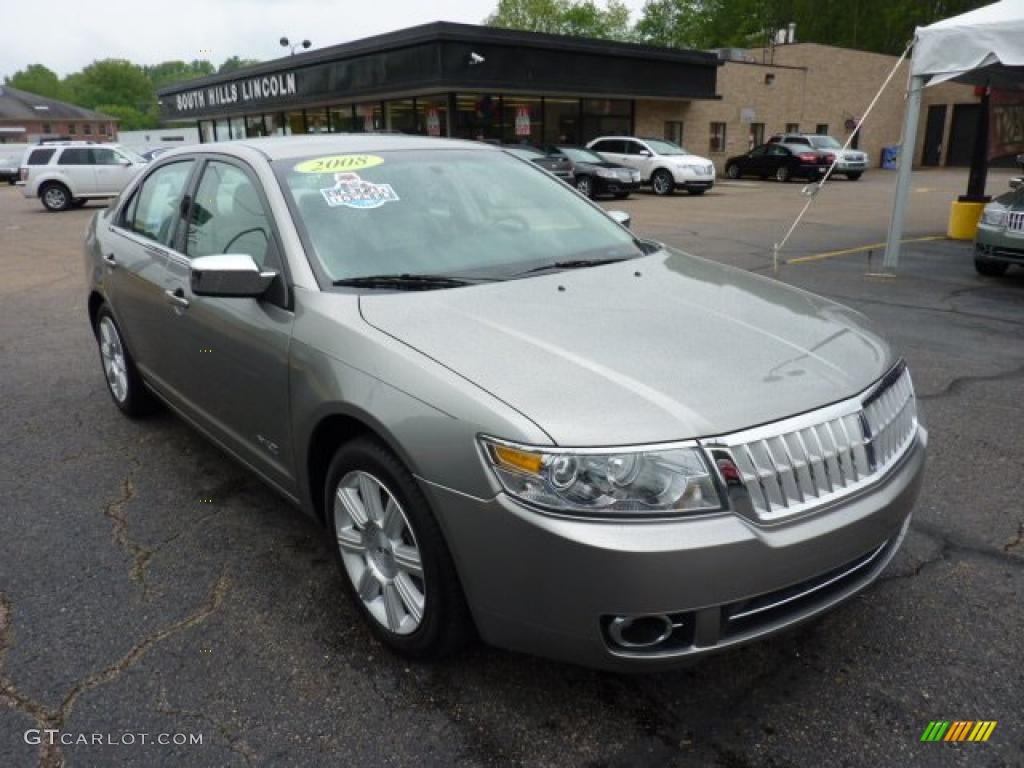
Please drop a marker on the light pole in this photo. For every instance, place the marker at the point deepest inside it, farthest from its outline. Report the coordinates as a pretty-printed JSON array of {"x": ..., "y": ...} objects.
[{"x": 292, "y": 46}]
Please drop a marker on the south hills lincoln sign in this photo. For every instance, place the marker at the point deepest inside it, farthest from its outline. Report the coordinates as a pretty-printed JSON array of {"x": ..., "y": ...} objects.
[{"x": 248, "y": 90}]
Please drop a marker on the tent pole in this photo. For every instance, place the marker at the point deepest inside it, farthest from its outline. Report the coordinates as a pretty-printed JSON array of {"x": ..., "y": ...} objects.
[{"x": 907, "y": 145}]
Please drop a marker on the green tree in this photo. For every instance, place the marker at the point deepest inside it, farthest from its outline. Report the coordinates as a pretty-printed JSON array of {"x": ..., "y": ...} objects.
[
  {"x": 169, "y": 72},
  {"x": 35, "y": 78},
  {"x": 131, "y": 119},
  {"x": 111, "y": 81},
  {"x": 236, "y": 62},
  {"x": 564, "y": 17}
]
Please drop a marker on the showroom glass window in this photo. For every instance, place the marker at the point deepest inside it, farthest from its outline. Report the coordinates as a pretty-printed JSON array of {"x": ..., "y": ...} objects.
[
  {"x": 401, "y": 115},
  {"x": 561, "y": 121},
  {"x": 295, "y": 123},
  {"x": 369, "y": 117},
  {"x": 223, "y": 133},
  {"x": 275, "y": 123},
  {"x": 154, "y": 207},
  {"x": 254, "y": 126},
  {"x": 604, "y": 117},
  {"x": 237, "y": 127},
  {"x": 227, "y": 215},
  {"x": 342, "y": 119},
  {"x": 522, "y": 120},
  {"x": 316, "y": 120},
  {"x": 433, "y": 114},
  {"x": 206, "y": 135},
  {"x": 478, "y": 116}
]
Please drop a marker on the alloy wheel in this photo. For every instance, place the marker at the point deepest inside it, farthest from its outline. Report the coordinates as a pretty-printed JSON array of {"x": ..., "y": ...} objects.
[
  {"x": 112, "y": 354},
  {"x": 379, "y": 551},
  {"x": 55, "y": 198},
  {"x": 661, "y": 183},
  {"x": 583, "y": 185}
]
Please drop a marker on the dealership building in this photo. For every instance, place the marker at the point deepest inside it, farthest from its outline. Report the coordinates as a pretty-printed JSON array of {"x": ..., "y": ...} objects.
[{"x": 457, "y": 80}]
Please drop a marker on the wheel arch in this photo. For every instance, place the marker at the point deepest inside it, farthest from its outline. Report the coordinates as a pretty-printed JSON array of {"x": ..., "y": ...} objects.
[{"x": 96, "y": 301}]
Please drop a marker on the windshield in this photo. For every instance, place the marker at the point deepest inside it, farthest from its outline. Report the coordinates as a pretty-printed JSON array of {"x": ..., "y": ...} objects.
[
  {"x": 824, "y": 142},
  {"x": 458, "y": 213},
  {"x": 661, "y": 147},
  {"x": 581, "y": 155}
]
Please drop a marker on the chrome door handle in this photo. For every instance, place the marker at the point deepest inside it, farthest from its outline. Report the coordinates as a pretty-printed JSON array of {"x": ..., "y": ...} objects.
[
  {"x": 177, "y": 298},
  {"x": 110, "y": 260}
]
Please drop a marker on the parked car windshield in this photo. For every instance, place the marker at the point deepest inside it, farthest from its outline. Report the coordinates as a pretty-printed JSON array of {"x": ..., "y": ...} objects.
[
  {"x": 458, "y": 213},
  {"x": 578, "y": 155},
  {"x": 662, "y": 147},
  {"x": 825, "y": 142}
]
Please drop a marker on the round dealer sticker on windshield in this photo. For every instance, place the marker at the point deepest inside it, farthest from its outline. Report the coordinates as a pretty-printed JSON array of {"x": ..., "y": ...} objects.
[{"x": 336, "y": 163}]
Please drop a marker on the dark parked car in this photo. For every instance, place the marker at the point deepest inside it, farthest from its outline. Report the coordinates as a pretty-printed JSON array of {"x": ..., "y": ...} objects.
[
  {"x": 9, "y": 170},
  {"x": 559, "y": 166},
  {"x": 779, "y": 161},
  {"x": 597, "y": 176}
]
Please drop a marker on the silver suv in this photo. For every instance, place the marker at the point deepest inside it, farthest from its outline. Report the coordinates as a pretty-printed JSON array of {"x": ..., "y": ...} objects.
[
  {"x": 508, "y": 412},
  {"x": 67, "y": 175},
  {"x": 851, "y": 162}
]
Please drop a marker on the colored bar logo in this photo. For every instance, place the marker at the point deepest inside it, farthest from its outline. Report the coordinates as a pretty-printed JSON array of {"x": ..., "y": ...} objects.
[{"x": 958, "y": 730}]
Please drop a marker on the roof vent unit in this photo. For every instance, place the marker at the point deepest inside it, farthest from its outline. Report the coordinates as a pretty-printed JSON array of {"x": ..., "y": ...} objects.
[{"x": 733, "y": 54}]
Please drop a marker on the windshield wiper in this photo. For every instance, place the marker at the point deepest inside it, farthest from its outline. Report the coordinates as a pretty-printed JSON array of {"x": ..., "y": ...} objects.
[
  {"x": 570, "y": 264},
  {"x": 404, "y": 282}
]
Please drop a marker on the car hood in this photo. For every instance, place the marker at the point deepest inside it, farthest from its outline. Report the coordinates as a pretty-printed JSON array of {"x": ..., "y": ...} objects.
[
  {"x": 687, "y": 159},
  {"x": 663, "y": 347}
]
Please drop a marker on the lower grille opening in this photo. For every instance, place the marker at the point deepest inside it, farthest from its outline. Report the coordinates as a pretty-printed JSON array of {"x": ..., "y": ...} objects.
[
  {"x": 650, "y": 633},
  {"x": 749, "y": 615}
]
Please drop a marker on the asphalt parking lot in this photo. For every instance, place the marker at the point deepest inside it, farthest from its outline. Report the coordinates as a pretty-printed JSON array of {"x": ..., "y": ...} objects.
[{"x": 148, "y": 584}]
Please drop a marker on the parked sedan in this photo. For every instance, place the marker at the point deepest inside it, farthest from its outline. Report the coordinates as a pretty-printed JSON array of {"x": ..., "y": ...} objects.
[
  {"x": 508, "y": 412},
  {"x": 557, "y": 166},
  {"x": 778, "y": 161},
  {"x": 597, "y": 176}
]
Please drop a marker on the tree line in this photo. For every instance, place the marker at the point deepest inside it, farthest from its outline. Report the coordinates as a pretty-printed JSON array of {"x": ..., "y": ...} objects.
[
  {"x": 117, "y": 87},
  {"x": 881, "y": 26}
]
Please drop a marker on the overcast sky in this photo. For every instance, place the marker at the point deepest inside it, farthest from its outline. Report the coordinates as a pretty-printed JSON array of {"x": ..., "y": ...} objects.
[{"x": 65, "y": 35}]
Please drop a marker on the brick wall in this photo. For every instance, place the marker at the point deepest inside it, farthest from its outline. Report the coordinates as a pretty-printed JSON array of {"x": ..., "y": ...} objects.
[{"x": 809, "y": 85}]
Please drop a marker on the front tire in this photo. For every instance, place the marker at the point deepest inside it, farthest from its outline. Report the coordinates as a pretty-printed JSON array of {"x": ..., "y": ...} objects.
[
  {"x": 585, "y": 186},
  {"x": 393, "y": 558},
  {"x": 55, "y": 197},
  {"x": 782, "y": 173},
  {"x": 662, "y": 183},
  {"x": 123, "y": 380},
  {"x": 991, "y": 268},
  {"x": 732, "y": 171}
]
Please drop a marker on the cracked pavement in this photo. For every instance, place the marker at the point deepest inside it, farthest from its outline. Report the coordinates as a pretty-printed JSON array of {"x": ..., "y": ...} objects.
[{"x": 150, "y": 584}]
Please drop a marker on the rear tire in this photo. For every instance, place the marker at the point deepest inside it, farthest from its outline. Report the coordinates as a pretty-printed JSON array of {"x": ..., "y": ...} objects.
[
  {"x": 732, "y": 171},
  {"x": 991, "y": 268},
  {"x": 393, "y": 557},
  {"x": 55, "y": 196},
  {"x": 123, "y": 380},
  {"x": 662, "y": 183}
]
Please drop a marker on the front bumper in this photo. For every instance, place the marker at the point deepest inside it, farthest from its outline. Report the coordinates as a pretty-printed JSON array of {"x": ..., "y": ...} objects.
[
  {"x": 694, "y": 182},
  {"x": 606, "y": 186},
  {"x": 999, "y": 244},
  {"x": 851, "y": 166},
  {"x": 550, "y": 585}
]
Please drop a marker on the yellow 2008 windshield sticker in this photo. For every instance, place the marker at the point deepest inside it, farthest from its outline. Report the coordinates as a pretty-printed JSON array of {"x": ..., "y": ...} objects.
[{"x": 336, "y": 163}]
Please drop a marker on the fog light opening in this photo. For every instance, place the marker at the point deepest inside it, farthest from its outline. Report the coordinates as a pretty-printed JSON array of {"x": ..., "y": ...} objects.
[{"x": 640, "y": 631}]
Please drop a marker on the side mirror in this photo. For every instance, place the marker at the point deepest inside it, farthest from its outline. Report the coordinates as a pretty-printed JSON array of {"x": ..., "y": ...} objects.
[
  {"x": 621, "y": 217},
  {"x": 229, "y": 275}
]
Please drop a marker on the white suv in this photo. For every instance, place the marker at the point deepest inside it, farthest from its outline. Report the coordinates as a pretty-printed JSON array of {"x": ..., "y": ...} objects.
[
  {"x": 67, "y": 175},
  {"x": 662, "y": 164}
]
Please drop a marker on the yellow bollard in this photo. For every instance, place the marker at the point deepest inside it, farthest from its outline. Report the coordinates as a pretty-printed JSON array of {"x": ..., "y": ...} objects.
[{"x": 963, "y": 220}]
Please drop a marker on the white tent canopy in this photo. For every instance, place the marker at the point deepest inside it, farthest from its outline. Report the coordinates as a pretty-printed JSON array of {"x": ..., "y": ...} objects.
[
  {"x": 981, "y": 38},
  {"x": 984, "y": 46}
]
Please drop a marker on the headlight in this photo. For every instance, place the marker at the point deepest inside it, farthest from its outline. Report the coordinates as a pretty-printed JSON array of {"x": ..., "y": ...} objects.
[
  {"x": 627, "y": 482},
  {"x": 605, "y": 173},
  {"x": 993, "y": 216}
]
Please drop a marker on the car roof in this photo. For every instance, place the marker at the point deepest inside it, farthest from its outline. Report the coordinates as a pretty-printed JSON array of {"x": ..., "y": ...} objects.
[{"x": 285, "y": 147}]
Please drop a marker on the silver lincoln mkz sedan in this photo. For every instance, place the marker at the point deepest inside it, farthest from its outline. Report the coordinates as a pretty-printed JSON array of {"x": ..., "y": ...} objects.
[{"x": 510, "y": 413}]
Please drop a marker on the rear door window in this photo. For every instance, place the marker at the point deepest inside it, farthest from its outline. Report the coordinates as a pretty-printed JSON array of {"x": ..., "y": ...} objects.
[{"x": 40, "y": 156}]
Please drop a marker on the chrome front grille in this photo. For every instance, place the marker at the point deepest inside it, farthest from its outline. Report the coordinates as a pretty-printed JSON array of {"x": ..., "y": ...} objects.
[
  {"x": 1015, "y": 221},
  {"x": 808, "y": 461}
]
